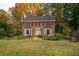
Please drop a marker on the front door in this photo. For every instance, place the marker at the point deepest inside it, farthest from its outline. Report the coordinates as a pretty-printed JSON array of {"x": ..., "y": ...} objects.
[{"x": 37, "y": 31}]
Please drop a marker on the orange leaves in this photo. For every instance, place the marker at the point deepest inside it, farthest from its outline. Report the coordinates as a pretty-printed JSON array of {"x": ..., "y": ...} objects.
[
  {"x": 3, "y": 15},
  {"x": 32, "y": 8}
]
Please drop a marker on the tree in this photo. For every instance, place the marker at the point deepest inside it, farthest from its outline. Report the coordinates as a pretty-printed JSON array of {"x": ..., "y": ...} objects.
[
  {"x": 4, "y": 24},
  {"x": 17, "y": 12},
  {"x": 62, "y": 18},
  {"x": 47, "y": 8},
  {"x": 28, "y": 8},
  {"x": 55, "y": 10},
  {"x": 70, "y": 15},
  {"x": 58, "y": 17},
  {"x": 3, "y": 15},
  {"x": 15, "y": 18},
  {"x": 74, "y": 22}
]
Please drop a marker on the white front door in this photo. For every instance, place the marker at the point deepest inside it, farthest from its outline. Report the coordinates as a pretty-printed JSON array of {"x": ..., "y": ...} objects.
[{"x": 37, "y": 31}]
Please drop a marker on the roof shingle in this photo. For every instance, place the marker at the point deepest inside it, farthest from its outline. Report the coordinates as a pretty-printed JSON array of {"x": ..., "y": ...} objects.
[{"x": 39, "y": 18}]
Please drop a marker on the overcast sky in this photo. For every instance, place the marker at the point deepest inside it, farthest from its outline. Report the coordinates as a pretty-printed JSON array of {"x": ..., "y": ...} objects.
[{"x": 5, "y": 6}]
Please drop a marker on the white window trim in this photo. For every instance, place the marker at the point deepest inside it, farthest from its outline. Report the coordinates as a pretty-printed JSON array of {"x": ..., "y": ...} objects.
[
  {"x": 45, "y": 31},
  {"x": 25, "y": 34}
]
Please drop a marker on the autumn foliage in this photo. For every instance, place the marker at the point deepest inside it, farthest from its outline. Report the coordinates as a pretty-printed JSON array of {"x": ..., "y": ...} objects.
[{"x": 28, "y": 8}]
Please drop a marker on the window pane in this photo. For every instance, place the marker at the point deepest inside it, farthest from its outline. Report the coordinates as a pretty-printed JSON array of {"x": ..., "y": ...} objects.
[
  {"x": 27, "y": 31},
  {"x": 48, "y": 32}
]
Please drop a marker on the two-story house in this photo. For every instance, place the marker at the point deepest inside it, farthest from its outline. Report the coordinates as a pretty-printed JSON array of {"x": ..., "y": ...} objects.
[{"x": 38, "y": 25}]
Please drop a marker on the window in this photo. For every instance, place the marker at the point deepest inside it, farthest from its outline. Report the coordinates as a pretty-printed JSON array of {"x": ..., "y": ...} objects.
[
  {"x": 28, "y": 24},
  {"x": 28, "y": 32},
  {"x": 48, "y": 24},
  {"x": 48, "y": 31}
]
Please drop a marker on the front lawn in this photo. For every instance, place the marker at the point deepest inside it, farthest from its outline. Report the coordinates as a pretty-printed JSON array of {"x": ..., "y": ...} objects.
[{"x": 29, "y": 47}]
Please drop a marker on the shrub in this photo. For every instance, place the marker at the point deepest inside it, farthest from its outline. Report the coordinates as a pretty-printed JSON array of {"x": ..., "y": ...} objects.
[
  {"x": 74, "y": 36},
  {"x": 17, "y": 33},
  {"x": 77, "y": 35},
  {"x": 8, "y": 34},
  {"x": 61, "y": 36},
  {"x": 56, "y": 37},
  {"x": 6, "y": 30},
  {"x": 50, "y": 38},
  {"x": 39, "y": 36}
]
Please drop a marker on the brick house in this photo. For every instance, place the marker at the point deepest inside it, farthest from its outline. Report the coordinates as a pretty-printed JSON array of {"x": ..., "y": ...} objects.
[{"x": 38, "y": 25}]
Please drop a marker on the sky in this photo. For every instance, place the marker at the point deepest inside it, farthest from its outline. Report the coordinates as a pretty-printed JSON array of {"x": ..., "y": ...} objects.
[{"x": 5, "y": 6}]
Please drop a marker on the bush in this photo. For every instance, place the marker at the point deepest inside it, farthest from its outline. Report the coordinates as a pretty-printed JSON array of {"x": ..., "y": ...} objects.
[
  {"x": 56, "y": 37},
  {"x": 50, "y": 38},
  {"x": 77, "y": 35},
  {"x": 5, "y": 34},
  {"x": 74, "y": 36},
  {"x": 61, "y": 36},
  {"x": 17, "y": 33},
  {"x": 8, "y": 34},
  {"x": 39, "y": 36},
  {"x": 7, "y": 31}
]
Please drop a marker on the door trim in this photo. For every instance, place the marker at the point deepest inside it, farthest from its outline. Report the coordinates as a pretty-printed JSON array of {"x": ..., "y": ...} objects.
[{"x": 38, "y": 29}]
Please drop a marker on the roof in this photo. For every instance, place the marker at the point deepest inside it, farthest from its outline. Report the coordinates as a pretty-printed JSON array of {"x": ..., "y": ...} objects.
[{"x": 39, "y": 18}]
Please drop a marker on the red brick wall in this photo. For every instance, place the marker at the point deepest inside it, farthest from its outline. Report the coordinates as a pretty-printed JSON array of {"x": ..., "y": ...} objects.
[
  {"x": 42, "y": 26},
  {"x": 33, "y": 29}
]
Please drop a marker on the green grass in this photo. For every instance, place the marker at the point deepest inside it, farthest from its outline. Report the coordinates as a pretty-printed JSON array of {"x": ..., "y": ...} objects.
[{"x": 38, "y": 48}]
